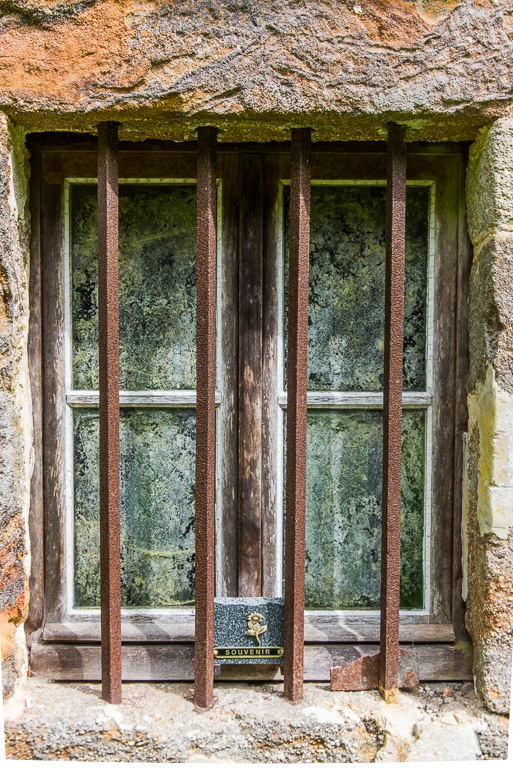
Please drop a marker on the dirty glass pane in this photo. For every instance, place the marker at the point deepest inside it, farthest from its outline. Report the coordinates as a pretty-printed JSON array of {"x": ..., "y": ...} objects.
[
  {"x": 347, "y": 287},
  {"x": 343, "y": 516},
  {"x": 157, "y": 506},
  {"x": 157, "y": 286}
]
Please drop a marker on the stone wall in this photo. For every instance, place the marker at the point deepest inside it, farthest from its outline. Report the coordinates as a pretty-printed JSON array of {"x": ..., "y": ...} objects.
[
  {"x": 489, "y": 510},
  {"x": 15, "y": 404}
]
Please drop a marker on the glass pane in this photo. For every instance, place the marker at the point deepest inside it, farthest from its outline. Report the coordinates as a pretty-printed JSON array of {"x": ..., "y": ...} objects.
[
  {"x": 347, "y": 287},
  {"x": 157, "y": 286},
  {"x": 343, "y": 517},
  {"x": 157, "y": 506}
]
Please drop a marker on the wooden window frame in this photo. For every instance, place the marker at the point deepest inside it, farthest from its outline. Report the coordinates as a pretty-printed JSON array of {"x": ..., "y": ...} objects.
[{"x": 56, "y": 158}]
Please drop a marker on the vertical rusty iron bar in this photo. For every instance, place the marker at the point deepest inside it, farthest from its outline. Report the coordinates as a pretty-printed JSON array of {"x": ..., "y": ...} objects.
[
  {"x": 205, "y": 417},
  {"x": 108, "y": 319},
  {"x": 392, "y": 413},
  {"x": 296, "y": 412}
]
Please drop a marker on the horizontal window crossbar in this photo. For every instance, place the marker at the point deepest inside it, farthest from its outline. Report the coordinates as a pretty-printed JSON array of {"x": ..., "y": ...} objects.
[
  {"x": 359, "y": 399},
  {"x": 148, "y": 399}
]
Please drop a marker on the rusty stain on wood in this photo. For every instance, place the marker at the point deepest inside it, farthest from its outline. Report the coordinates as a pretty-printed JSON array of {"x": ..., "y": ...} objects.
[
  {"x": 362, "y": 674},
  {"x": 205, "y": 418},
  {"x": 108, "y": 314},
  {"x": 296, "y": 412}
]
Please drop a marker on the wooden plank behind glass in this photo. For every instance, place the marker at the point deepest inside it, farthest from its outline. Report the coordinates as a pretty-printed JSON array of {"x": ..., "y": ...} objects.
[{"x": 250, "y": 375}]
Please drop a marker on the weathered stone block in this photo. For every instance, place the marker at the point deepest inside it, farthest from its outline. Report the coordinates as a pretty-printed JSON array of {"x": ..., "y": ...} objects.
[
  {"x": 489, "y": 535},
  {"x": 491, "y": 425},
  {"x": 490, "y": 614},
  {"x": 491, "y": 312},
  {"x": 258, "y": 67},
  {"x": 490, "y": 181}
]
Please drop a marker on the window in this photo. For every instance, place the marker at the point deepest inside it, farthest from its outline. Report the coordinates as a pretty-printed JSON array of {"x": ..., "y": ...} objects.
[
  {"x": 157, "y": 380},
  {"x": 345, "y": 382},
  {"x": 157, "y": 316}
]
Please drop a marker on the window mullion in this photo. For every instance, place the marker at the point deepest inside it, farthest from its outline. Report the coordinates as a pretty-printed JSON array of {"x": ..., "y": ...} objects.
[
  {"x": 359, "y": 399},
  {"x": 156, "y": 397}
]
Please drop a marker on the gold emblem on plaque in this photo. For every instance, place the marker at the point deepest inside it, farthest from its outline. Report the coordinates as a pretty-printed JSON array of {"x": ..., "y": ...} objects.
[{"x": 255, "y": 627}]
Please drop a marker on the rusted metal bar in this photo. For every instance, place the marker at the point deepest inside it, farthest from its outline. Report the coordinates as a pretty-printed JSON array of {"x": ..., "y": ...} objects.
[
  {"x": 108, "y": 320},
  {"x": 392, "y": 413},
  {"x": 205, "y": 417},
  {"x": 296, "y": 412}
]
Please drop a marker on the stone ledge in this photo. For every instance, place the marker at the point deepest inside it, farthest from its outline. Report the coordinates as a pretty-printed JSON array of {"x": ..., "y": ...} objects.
[{"x": 252, "y": 724}]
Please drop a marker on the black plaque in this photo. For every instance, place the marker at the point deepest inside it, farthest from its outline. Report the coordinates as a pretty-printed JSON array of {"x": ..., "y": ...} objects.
[{"x": 248, "y": 630}]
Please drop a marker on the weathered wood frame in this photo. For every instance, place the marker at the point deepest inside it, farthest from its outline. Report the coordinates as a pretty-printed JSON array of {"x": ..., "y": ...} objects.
[{"x": 443, "y": 164}]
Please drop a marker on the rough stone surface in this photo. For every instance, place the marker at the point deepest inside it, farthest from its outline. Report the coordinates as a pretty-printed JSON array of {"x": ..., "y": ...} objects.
[
  {"x": 491, "y": 317},
  {"x": 255, "y": 724},
  {"x": 491, "y": 429},
  {"x": 444, "y": 67},
  {"x": 445, "y": 742},
  {"x": 490, "y": 182},
  {"x": 489, "y": 502},
  {"x": 15, "y": 403}
]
